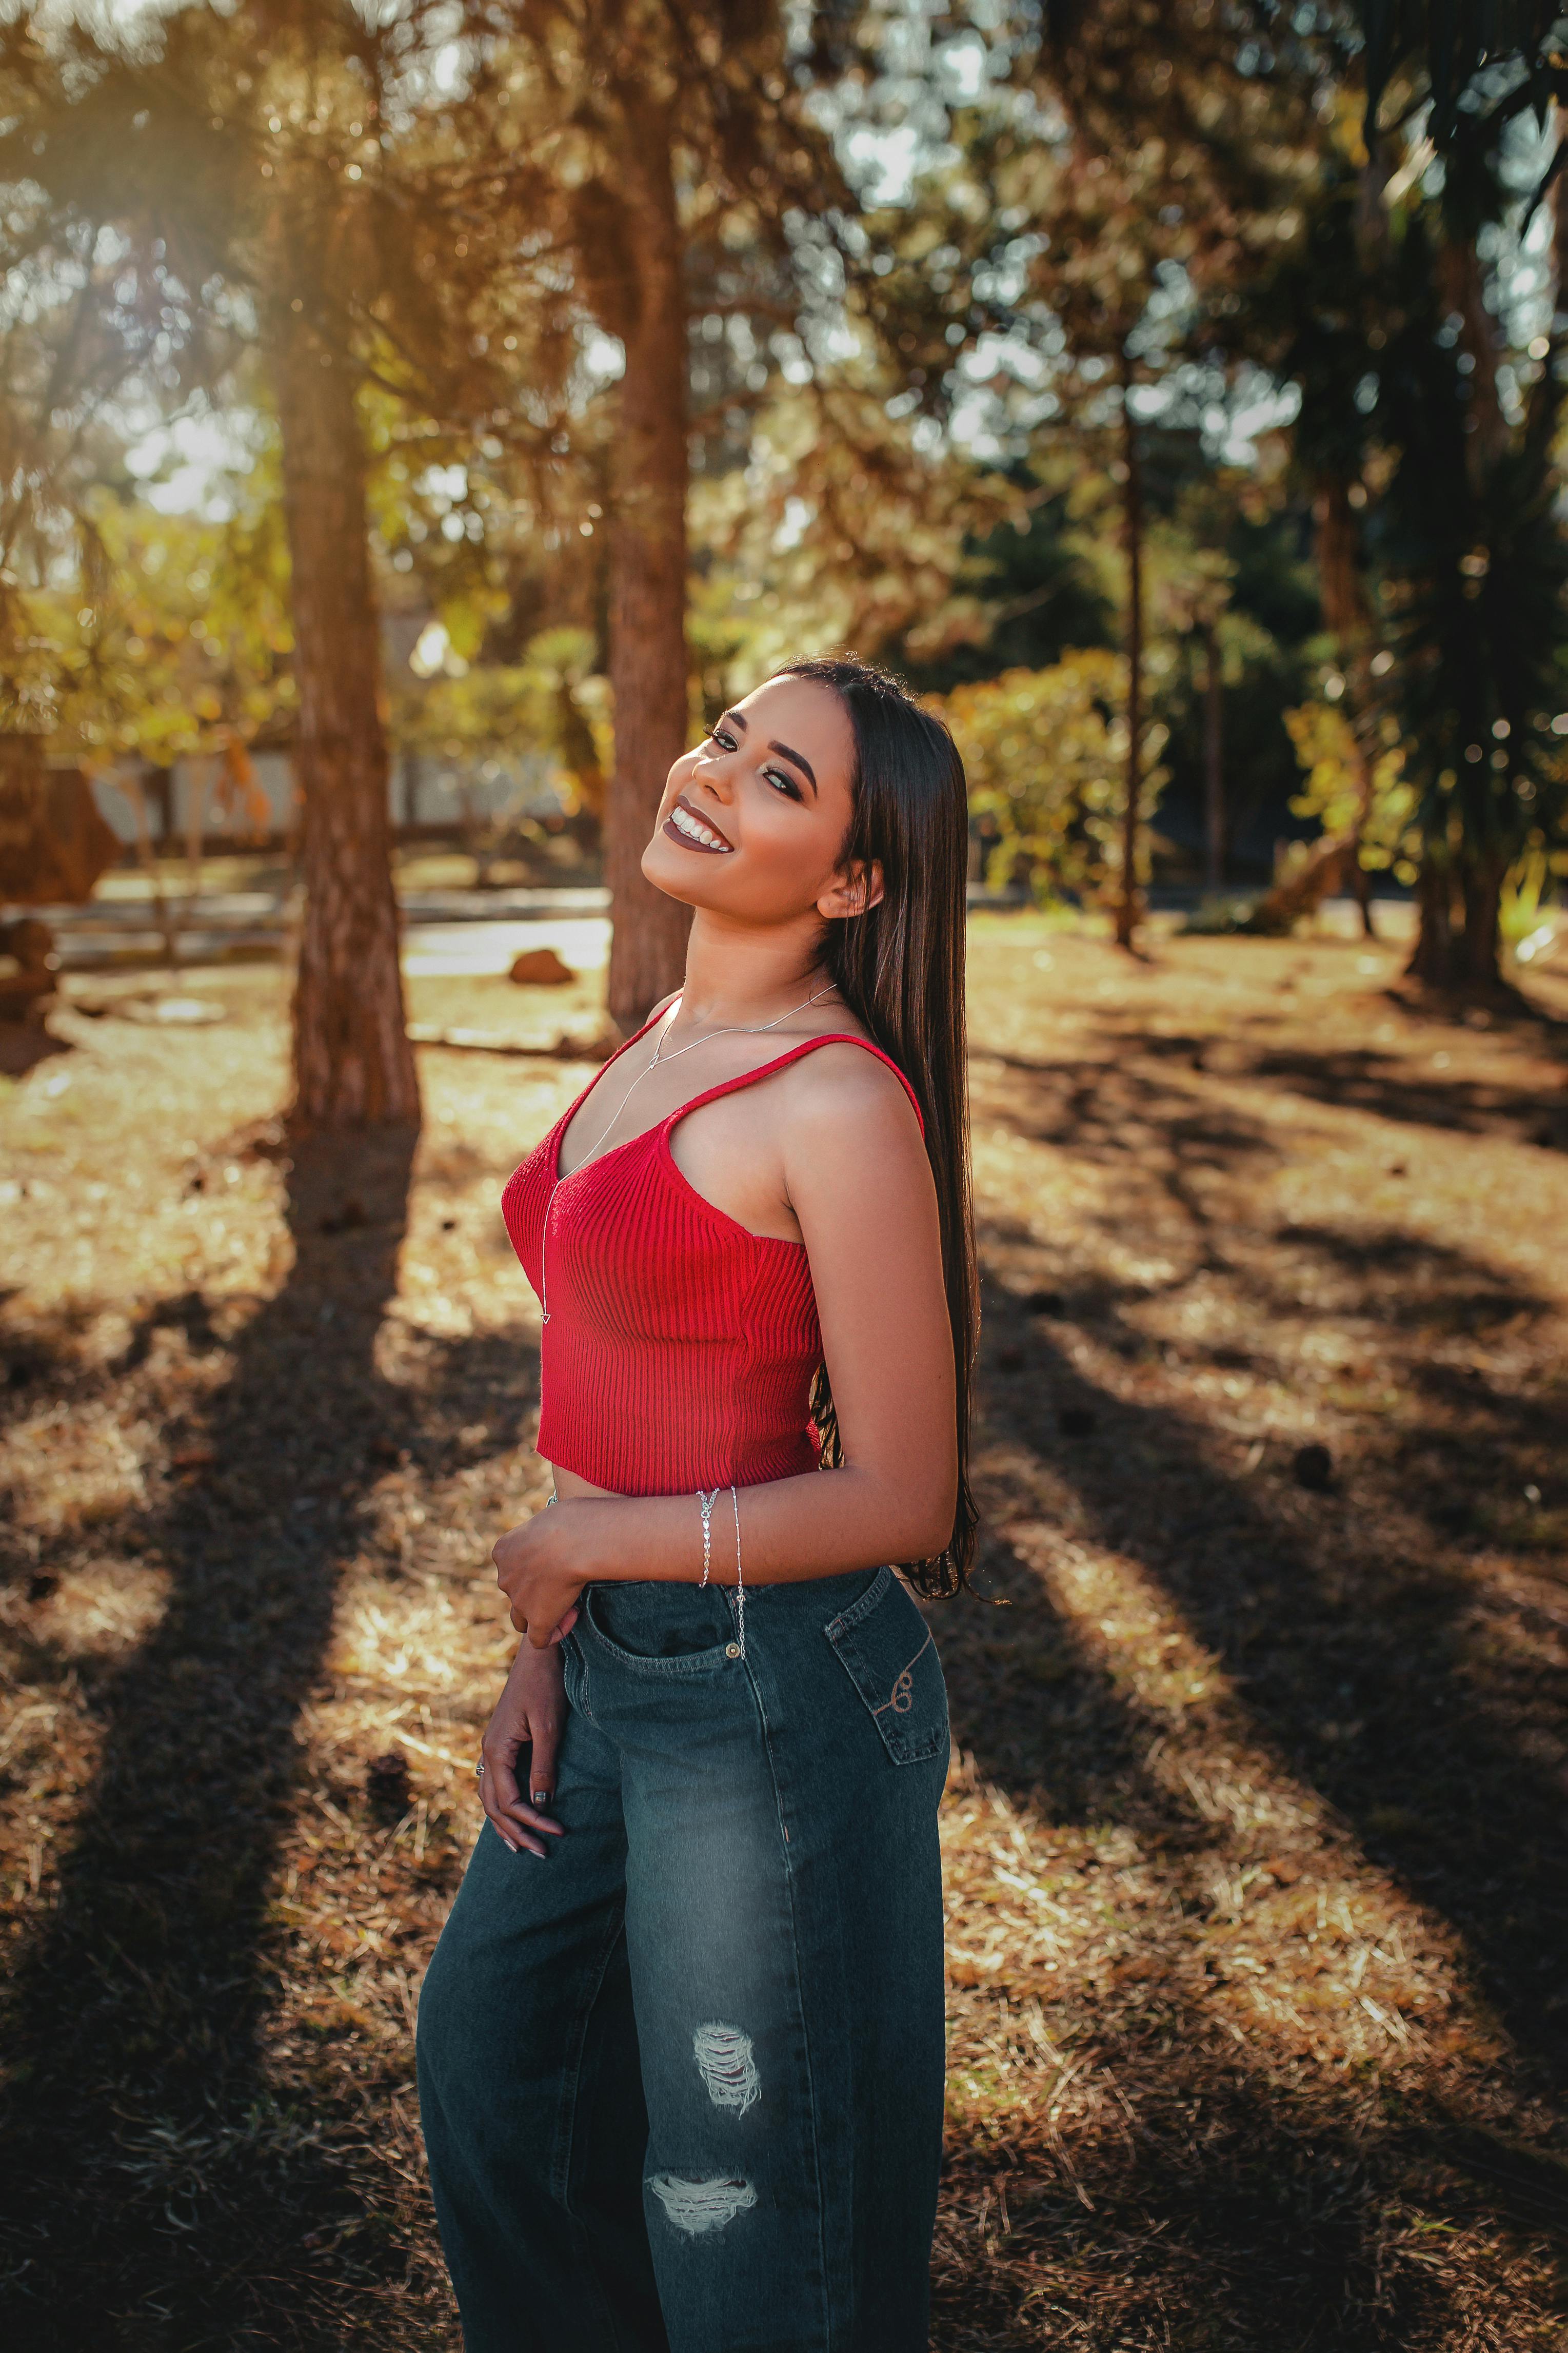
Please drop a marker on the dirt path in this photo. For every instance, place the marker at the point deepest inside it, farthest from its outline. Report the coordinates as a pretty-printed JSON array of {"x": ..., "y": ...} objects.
[{"x": 1256, "y": 1835}]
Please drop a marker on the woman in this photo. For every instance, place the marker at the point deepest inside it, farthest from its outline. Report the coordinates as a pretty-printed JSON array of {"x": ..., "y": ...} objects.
[{"x": 681, "y": 2046}]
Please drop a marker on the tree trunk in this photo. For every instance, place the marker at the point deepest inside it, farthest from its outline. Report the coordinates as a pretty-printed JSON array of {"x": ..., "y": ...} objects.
[
  {"x": 1215, "y": 828},
  {"x": 1336, "y": 537},
  {"x": 1559, "y": 217},
  {"x": 1372, "y": 212},
  {"x": 1363, "y": 718},
  {"x": 1130, "y": 906},
  {"x": 1461, "y": 277},
  {"x": 353, "y": 1063},
  {"x": 1457, "y": 945},
  {"x": 158, "y": 786},
  {"x": 1482, "y": 883},
  {"x": 1303, "y": 888},
  {"x": 1342, "y": 592},
  {"x": 648, "y": 614},
  {"x": 1431, "y": 959}
]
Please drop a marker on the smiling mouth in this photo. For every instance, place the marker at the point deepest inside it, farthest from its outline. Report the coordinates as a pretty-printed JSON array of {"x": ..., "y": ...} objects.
[{"x": 693, "y": 832}]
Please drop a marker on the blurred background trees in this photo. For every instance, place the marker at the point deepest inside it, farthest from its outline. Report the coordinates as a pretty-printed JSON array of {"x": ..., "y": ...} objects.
[{"x": 1171, "y": 392}]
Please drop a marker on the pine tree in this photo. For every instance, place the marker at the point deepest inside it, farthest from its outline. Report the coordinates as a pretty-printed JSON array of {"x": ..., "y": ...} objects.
[
  {"x": 287, "y": 177},
  {"x": 1472, "y": 561},
  {"x": 1114, "y": 190},
  {"x": 685, "y": 152}
]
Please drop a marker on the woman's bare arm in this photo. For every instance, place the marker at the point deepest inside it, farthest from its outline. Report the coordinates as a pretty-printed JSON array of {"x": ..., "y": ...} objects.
[{"x": 855, "y": 1172}]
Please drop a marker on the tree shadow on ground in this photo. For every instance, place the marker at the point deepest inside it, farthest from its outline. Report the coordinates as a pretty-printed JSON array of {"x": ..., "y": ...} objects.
[
  {"x": 1362, "y": 1661},
  {"x": 1248, "y": 2206},
  {"x": 1369, "y": 1658},
  {"x": 159, "y": 2193},
  {"x": 1349, "y": 1078},
  {"x": 1215, "y": 2197}
]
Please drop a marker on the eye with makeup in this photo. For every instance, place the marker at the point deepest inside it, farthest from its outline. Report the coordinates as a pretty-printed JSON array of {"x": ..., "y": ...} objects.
[{"x": 780, "y": 777}]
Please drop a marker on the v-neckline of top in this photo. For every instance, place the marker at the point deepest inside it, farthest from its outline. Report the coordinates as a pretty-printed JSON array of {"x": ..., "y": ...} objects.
[{"x": 661, "y": 1128}]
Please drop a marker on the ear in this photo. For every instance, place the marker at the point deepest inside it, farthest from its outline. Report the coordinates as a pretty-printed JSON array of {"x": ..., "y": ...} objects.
[{"x": 852, "y": 890}]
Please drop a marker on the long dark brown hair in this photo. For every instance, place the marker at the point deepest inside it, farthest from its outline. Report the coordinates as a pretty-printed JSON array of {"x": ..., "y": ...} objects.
[{"x": 900, "y": 968}]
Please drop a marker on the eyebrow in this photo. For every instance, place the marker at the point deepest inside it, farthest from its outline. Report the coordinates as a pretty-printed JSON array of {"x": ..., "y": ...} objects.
[{"x": 802, "y": 763}]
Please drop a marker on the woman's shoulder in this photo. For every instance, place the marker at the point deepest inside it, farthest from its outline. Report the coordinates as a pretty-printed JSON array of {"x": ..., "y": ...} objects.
[{"x": 845, "y": 1085}]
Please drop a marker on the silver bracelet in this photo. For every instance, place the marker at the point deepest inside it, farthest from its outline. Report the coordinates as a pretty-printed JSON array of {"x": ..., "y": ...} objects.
[
  {"x": 707, "y": 1502},
  {"x": 740, "y": 1589}
]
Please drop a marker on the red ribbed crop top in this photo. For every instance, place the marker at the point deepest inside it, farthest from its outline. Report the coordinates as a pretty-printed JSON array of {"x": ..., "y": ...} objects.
[{"x": 679, "y": 1348}]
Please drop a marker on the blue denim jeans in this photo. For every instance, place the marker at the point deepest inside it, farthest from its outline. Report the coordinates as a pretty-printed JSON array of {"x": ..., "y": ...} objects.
[{"x": 681, "y": 2080}]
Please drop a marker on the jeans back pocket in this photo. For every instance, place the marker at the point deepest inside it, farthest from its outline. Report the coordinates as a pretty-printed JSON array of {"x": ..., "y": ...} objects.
[{"x": 889, "y": 1655}]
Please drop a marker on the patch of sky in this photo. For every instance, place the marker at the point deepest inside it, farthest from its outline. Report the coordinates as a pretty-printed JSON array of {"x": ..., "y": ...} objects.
[
  {"x": 891, "y": 156},
  {"x": 184, "y": 463},
  {"x": 444, "y": 486},
  {"x": 1521, "y": 244},
  {"x": 791, "y": 530},
  {"x": 994, "y": 355},
  {"x": 961, "y": 69}
]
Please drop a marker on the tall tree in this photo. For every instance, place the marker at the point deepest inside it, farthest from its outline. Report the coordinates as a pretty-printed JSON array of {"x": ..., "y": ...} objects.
[
  {"x": 290, "y": 173},
  {"x": 1468, "y": 558},
  {"x": 1117, "y": 181},
  {"x": 688, "y": 159},
  {"x": 1475, "y": 571},
  {"x": 631, "y": 250},
  {"x": 1329, "y": 302}
]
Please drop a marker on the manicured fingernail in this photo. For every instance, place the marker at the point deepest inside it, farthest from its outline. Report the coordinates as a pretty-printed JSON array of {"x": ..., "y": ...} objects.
[{"x": 542, "y": 1796}]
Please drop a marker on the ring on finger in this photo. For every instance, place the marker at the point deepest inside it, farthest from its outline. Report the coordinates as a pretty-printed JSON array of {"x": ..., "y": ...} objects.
[{"x": 480, "y": 1770}]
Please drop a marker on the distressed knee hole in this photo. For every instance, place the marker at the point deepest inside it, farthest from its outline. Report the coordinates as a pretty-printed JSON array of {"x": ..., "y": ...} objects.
[
  {"x": 724, "y": 2061},
  {"x": 695, "y": 2206}
]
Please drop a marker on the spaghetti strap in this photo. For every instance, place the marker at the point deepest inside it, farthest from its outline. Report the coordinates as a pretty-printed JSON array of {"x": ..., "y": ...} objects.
[{"x": 767, "y": 1071}]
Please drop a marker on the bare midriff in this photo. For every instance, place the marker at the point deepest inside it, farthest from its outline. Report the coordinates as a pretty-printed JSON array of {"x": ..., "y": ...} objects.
[{"x": 570, "y": 1488}]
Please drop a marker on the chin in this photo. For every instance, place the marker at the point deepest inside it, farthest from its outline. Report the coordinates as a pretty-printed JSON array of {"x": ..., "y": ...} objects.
[{"x": 680, "y": 875}]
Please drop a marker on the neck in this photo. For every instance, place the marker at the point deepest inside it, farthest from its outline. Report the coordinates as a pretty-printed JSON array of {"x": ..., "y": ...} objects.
[{"x": 737, "y": 973}]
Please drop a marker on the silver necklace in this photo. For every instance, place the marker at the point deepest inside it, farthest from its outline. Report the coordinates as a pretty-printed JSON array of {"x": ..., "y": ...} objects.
[{"x": 731, "y": 1030}]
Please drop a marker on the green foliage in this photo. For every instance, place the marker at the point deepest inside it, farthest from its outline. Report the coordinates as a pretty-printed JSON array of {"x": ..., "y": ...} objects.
[
  {"x": 1534, "y": 881},
  {"x": 1046, "y": 755},
  {"x": 550, "y": 703},
  {"x": 846, "y": 527},
  {"x": 1349, "y": 792},
  {"x": 164, "y": 635}
]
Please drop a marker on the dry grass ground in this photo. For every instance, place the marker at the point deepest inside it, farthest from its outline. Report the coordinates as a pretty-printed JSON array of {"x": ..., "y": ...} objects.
[{"x": 1257, "y": 1858}]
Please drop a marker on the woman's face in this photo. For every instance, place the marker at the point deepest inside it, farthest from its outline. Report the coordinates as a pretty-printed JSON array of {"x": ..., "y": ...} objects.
[{"x": 753, "y": 821}]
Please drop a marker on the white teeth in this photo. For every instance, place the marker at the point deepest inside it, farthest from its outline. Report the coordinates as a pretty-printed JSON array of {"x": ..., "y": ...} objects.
[{"x": 695, "y": 831}]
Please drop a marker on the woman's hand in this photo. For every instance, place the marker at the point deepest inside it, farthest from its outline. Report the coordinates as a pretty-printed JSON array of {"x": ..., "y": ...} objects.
[
  {"x": 543, "y": 1566},
  {"x": 527, "y": 1726}
]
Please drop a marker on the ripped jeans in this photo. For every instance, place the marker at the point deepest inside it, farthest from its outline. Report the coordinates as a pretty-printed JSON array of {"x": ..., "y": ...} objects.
[{"x": 681, "y": 2080}]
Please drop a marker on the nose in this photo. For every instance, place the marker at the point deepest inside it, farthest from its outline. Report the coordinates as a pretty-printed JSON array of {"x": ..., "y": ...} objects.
[{"x": 714, "y": 770}]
